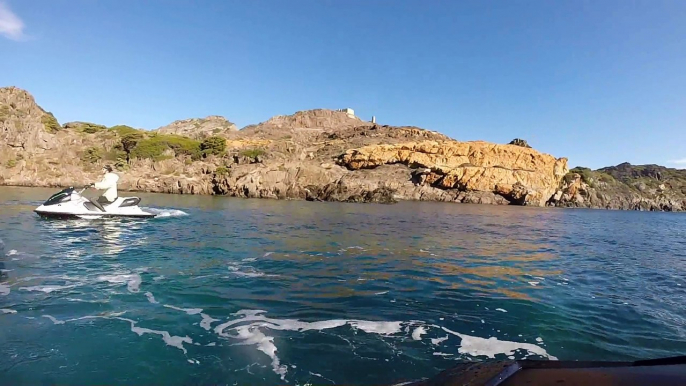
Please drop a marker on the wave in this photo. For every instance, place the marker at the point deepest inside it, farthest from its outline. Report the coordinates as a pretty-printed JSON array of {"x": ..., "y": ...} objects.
[{"x": 164, "y": 212}]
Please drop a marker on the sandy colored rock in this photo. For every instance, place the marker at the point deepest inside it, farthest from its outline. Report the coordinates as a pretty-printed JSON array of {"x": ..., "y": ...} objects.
[{"x": 519, "y": 173}]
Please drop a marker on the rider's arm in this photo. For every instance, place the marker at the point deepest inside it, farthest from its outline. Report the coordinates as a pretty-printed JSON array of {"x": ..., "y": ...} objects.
[{"x": 106, "y": 183}]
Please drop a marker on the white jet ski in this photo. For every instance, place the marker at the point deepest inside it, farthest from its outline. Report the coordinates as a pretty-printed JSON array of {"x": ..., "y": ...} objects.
[{"x": 70, "y": 203}]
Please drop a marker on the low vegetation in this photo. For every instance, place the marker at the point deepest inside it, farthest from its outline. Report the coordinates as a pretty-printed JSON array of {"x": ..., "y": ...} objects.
[
  {"x": 50, "y": 123},
  {"x": 122, "y": 130},
  {"x": 590, "y": 177},
  {"x": 253, "y": 153},
  {"x": 92, "y": 155},
  {"x": 221, "y": 171},
  {"x": 154, "y": 146},
  {"x": 92, "y": 128},
  {"x": 11, "y": 163},
  {"x": 213, "y": 146}
]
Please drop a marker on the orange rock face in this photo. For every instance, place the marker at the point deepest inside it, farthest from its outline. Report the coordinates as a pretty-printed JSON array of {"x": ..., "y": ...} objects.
[{"x": 516, "y": 172}]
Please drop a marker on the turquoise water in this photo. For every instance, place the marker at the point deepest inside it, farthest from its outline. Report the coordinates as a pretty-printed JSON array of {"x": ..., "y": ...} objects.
[{"x": 232, "y": 291}]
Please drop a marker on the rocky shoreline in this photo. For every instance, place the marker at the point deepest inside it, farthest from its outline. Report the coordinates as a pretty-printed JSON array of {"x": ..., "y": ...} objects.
[{"x": 317, "y": 155}]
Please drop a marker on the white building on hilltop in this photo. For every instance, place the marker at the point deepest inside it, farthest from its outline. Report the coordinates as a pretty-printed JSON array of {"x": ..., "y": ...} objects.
[{"x": 349, "y": 111}]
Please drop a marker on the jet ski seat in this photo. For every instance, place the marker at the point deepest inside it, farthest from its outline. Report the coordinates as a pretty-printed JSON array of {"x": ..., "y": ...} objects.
[
  {"x": 93, "y": 205},
  {"x": 130, "y": 201}
]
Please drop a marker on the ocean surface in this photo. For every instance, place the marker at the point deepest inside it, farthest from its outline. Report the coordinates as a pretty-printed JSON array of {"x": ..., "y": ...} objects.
[{"x": 218, "y": 290}]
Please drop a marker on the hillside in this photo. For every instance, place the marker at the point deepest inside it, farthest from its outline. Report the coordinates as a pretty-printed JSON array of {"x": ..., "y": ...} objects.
[
  {"x": 625, "y": 186},
  {"x": 199, "y": 128},
  {"x": 318, "y": 154}
]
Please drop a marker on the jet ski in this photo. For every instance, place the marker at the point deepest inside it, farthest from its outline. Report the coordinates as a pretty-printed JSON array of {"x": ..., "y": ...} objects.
[{"x": 70, "y": 203}]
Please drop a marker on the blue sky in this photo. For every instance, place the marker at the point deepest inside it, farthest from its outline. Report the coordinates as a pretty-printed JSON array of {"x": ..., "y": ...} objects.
[{"x": 599, "y": 82}]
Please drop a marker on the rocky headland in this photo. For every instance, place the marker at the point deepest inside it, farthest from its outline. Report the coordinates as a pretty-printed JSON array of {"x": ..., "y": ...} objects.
[{"x": 320, "y": 155}]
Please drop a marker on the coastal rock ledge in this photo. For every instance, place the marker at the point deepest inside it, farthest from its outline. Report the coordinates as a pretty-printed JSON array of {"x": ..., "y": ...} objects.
[{"x": 521, "y": 175}]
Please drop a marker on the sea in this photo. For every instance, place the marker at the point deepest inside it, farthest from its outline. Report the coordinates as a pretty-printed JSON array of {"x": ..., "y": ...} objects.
[{"x": 218, "y": 290}]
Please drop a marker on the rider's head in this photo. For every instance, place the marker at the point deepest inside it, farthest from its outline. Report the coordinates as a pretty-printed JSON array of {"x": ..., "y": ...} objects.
[{"x": 107, "y": 169}]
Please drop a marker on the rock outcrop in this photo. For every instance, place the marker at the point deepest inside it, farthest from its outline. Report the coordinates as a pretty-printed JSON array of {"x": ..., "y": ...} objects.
[
  {"x": 25, "y": 126},
  {"x": 317, "y": 155},
  {"x": 624, "y": 187},
  {"x": 199, "y": 128},
  {"x": 522, "y": 175}
]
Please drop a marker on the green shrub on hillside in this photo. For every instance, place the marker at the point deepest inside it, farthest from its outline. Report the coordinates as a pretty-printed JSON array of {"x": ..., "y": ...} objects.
[
  {"x": 213, "y": 145},
  {"x": 147, "y": 148},
  {"x": 11, "y": 163},
  {"x": 91, "y": 155},
  {"x": 155, "y": 146},
  {"x": 253, "y": 153},
  {"x": 92, "y": 128},
  {"x": 114, "y": 154},
  {"x": 50, "y": 123},
  {"x": 129, "y": 142},
  {"x": 181, "y": 145},
  {"x": 222, "y": 170}
]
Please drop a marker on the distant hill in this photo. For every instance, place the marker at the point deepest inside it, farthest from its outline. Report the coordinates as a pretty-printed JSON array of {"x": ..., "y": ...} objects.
[{"x": 626, "y": 186}]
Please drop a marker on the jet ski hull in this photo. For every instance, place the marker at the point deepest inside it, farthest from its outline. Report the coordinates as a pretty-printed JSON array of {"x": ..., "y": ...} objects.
[
  {"x": 70, "y": 204},
  {"x": 71, "y": 216}
]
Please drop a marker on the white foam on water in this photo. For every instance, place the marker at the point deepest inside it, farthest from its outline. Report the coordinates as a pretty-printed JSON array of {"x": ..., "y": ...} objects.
[
  {"x": 539, "y": 340},
  {"x": 47, "y": 288},
  {"x": 437, "y": 341},
  {"x": 267, "y": 254},
  {"x": 418, "y": 332},
  {"x": 207, "y": 321},
  {"x": 132, "y": 280},
  {"x": 87, "y": 301},
  {"x": 482, "y": 321},
  {"x": 170, "y": 340},
  {"x": 246, "y": 271},
  {"x": 475, "y": 346},
  {"x": 320, "y": 376},
  {"x": 381, "y": 293},
  {"x": 249, "y": 259},
  {"x": 247, "y": 331},
  {"x": 8, "y": 311},
  {"x": 442, "y": 354},
  {"x": 4, "y": 290},
  {"x": 381, "y": 328},
  {"x": 134, "y": 284},
  {"x": 251, "y": 335},
  {"x": 12, "y": 252},
  {"x": 533, "y": 283},
  {"x": 501, "y": 310},
  {"x": 189, "y": 311},
  {"x": 161, "y": 213},
  {"x": 151, "y": 298},
  {"x": 212, "y": 344},
  {"x": 54, "y": 320},
  {"x": 158, "y": 278}
]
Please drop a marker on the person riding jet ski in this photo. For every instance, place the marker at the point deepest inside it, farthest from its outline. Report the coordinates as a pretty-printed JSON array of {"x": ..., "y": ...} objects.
[{"x": 109, "y": 184}]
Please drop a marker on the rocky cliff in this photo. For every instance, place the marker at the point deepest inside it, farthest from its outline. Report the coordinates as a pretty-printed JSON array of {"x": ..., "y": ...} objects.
[
  {"x": 626, "y": 187},
  {"x": 321, "y": 155},
  {"x": 199, "y": 128}
]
